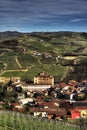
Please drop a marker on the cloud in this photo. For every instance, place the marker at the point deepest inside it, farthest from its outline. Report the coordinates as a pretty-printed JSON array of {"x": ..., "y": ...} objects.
[
  {"x": 60, "y": 7},
  {"x": 27, "y": 12},
  {"x": 79, "y": 19}
]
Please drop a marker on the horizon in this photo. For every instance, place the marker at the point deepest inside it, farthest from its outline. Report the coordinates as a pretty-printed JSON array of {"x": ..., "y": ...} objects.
[
  {"x": 12, "y": 31},
  {"x": 43, "y": 16}
]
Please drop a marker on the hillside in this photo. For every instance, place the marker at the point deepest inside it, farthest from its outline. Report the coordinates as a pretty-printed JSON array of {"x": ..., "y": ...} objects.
[
  {"x": 19, "y": 121},
  {"x": 58, "y": 53}
]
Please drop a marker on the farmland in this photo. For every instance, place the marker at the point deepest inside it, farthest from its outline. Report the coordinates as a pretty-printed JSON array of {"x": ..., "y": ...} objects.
[{"x": 34, "y": 52}]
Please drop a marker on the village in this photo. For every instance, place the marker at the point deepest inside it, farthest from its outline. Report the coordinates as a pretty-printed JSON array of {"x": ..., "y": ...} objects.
[{"x": 43, "y": 98}]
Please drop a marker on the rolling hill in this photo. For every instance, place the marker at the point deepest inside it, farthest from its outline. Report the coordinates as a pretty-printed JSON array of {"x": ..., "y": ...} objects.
[{"x": 60, "y": 54}]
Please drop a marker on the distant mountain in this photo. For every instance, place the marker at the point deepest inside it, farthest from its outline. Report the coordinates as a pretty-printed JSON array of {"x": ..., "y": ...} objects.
[
  {"x": 10, "y": 34},
  {"x": 43, "y": 35}
]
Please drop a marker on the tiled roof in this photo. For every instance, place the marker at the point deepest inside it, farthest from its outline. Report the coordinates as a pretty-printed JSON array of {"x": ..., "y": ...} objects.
[
  {"x": 62, "y": 85},
  {"x": 58, "y": 111}
]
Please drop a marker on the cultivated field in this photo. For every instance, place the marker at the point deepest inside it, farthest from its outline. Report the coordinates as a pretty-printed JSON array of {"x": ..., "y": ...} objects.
[{"x": 30, "y": 54}]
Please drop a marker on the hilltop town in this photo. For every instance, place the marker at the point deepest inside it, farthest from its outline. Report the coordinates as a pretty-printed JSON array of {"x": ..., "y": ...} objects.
[{"x": 44, "y": 98}]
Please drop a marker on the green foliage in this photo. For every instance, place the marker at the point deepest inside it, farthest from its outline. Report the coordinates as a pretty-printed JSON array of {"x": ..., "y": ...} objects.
[
  {"x": 18, "y": 121},
  {"x": 1, "y": 66},
  {"x": 81, "y": 123},
  {"x": 9, "y": 44},
  {"x": 27, "y": 60}
]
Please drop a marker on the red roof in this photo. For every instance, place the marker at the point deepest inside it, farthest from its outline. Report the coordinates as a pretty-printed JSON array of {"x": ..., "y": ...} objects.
[
  {"x": 15, "y": 104},
  {"x": 62, "y": 85},
  {"x": 75, "y": 113},
  {"x": 84, "y": 81},
  {"x": 73, "y": 83},
  {"x": 58, "y": 111},
  {"x": 81, "y": 108},
  {"x": 49, "y": 104}
]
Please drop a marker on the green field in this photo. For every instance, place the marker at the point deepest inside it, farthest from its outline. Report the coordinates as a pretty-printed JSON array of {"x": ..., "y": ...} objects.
[
  {"x": 56, "y": 71},
  {"x": 18, "y": 121},
  {"x": 19, "y": 53}
]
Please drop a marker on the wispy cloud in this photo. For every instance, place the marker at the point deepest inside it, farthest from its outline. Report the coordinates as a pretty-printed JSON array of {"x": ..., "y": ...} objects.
[
  {"x": 22, "y": 12},
  {"x": 79, "y": 19}
]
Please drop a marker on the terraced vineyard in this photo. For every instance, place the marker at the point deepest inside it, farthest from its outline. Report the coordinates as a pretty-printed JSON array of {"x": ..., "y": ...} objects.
[{"x": 19, "y": 121}]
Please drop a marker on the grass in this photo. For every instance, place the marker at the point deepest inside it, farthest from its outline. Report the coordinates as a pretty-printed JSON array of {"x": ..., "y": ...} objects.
[
  {"x": 10, "y": 62},
  {"x": 51, "y": 70},
  {"x": 14, "y": 74},
  {"x": 27, "y": 60},
  {"x": 48, "y": 61},
  {"x": 1, "y": 66},
  {"x": 19, "y": 121},
  {"x": 57, "y": 71}
]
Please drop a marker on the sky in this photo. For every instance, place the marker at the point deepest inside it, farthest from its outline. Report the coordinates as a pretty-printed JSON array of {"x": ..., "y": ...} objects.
[{"x": 43, "y": 15}]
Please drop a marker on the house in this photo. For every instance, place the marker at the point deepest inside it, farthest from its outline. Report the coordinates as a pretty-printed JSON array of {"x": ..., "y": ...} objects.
[
  {"x": 75, "y": 114},
  {"x": 62, "y": 85},
  {"x": 83, "y": 112},
  {"x": 21, "y": 96},
  {"x": 50, "y": 113},
  {"x": 78, "y": 112},
  {"x": 7, "y": 79},
  {"x": 47, "y": 55},
  {"x": 37, "y": 87},
  {"x": 72, "y": 83},
  {"x": 81, "y": 106},
  {"x": 17, "y": 83},
  {"x": 25, "y": 100},
  {"x": 50, "y": 104},
  {"x": 38, "y": 112},
  {"x": 43, "y": 79},
  {"x": 42, "y": 114},
  {"x": 17, "y": 107}
]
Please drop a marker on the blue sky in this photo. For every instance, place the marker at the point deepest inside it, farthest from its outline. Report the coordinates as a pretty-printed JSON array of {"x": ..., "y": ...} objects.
[{"x": 43, "y": 15}]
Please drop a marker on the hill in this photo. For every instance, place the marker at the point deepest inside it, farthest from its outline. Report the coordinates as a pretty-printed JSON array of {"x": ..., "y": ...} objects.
[
  {"x": 58, "y": 53},
  {"x": 10, "y": 34}
]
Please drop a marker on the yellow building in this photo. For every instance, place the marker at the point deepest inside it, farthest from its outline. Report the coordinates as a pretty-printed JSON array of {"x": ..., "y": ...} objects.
[
  {"x": 43, "y": 79},
  {"x": 83, "y": 113},
  {"x": 7, "y": 79}
]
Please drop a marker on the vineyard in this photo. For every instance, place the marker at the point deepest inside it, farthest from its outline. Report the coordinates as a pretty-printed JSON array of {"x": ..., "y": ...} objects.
[
  {"x": 20, "y": 121},
  {"x": 35, "y": 52}
]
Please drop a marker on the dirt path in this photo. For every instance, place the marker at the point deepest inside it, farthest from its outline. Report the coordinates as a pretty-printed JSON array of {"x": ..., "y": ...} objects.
[
  {"x": 39, "y": 61},
  {"x": 5, "y": 66},
  {"x": 6, "y": 70},
  {"x": 2, "y": 54},
  {"x": 18, "y": 70},
  {"x": 16, "y": 59},
  {"x": 65, "y": 74}
]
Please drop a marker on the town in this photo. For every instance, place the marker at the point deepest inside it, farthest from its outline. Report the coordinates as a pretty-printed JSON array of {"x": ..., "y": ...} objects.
[{"x": 43, "y": 98}]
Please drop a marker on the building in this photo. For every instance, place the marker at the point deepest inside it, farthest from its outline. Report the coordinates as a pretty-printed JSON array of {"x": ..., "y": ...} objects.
[
  {"x": 43, "y": 79},
  {"x": 7, "y": 79},
  {"x": 75, "y": 114},
  {"x": 37, "y": 87}
]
